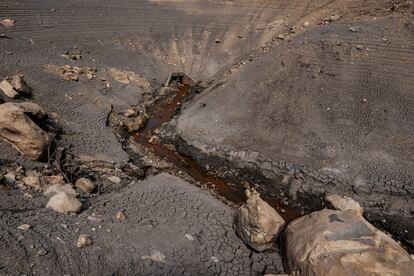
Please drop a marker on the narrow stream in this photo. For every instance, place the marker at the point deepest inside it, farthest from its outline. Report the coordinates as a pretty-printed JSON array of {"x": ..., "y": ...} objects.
[{"x": 163, "y": 113}]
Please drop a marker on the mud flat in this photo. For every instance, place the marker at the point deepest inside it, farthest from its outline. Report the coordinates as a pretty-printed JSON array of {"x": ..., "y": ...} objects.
[{"x": 294, "y": 98}]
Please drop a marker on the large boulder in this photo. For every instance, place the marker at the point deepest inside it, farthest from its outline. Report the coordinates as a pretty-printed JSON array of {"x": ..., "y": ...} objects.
[
  {"x": 17, "y": 128},
  {"x": 331, "y": 242},
  {"x": 257, "y": 223}
]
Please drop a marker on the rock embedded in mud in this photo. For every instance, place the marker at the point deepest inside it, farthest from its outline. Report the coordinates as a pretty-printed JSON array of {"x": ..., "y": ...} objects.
[
  {"x": 344, "y": 203},
  {"x": 8, "y": 89},
  {"x": 257, "y": 223},
  {"x": 18, "y": 129},
  {"x": 135, "y": 124},
  {"x": 64, "y": 203},
  {"x": 57, "y": 188},
  {"x": 83, "y": 241},
  {"x": 120, "y": 215},
  {"x": 8, "y": 179},
  {"x": 32, "y": 181},
  {"x": 7, "y": 22},
  {"x": 331, "y": 242},
  {"x": 24, "y": 227},
  {"x": 114, "y": 179},
  {"x": 20, "y": 85},
  {"x": 85, "y": 185}
]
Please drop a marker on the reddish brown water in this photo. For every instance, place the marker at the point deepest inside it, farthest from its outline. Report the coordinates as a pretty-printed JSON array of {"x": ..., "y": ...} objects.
[{"x": 163, "y": 113}]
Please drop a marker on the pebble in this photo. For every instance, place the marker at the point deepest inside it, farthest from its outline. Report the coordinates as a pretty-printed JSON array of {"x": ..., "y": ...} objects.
[
  {"x": 64, "y": 203},
  {"x": 155, "y": 256},
  {"x": 359, "y": 47},
  {"x": 114, "y": 179},
  {"x": 120, "y": 215},
  {"x": 41, "y": 252},
  {"x": 85, "y": 185},
  {"x": 214, "y": 259},
  {"x": 189, "y": 237},
  {"x": 23, "y": 227},
  {"x": 83, "y": 241}
]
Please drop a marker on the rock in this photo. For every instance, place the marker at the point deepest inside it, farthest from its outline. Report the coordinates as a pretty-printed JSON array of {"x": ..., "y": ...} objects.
[
  {"x": 130, "y": 113},
  {"x": 135, "y": 124},
  {"x": 120, "y": 215},
  {"x": 20, "y": 85},
  {"x": 189, "y": 237},
  {"x": 7, "y": 22},
  {"x": 257, "y": 223},
  {"x": 41, "y": 252},
  {"x": 55, "y": 180},
  {"x": 353, "y": 29},
  {"x": 305, "y": 24},
  {"x": 75, "y": 55},
  {"x": 114, "y": 179},
  {"x": 57, "y": 188},
  {"x": 281, "y": 37},
  {"x": 331, "y": 242},
  {"x": 155, "y": 256},
  {"x": 64, "y": 203},
  {"x": 359, "y": 47},
  {"x": 83, "y": 241},
  {"x": 23, "y": 227},
  {"x": 85, "y": 185},
  {"x": 9, "y": 179},
  {"x": 19, "y": 130},
  {"x": 70, "y": 76},
  {"x": 344, "y": 203},
  {"x": 7, "y": 89},
  {"x": 32, "y": 181}
]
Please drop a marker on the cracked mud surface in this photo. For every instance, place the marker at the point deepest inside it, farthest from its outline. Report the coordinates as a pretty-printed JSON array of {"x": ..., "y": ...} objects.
[
  {"x": 295, "y": 110},
  {"x": 159, "y": 213}
]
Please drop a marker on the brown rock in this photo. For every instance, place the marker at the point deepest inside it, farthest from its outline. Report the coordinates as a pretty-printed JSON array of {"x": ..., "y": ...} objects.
[
  {"x": 135, "y": 124},
  {"x": 20, "y": 131},
  {"x": 344, "y": 203},
  {"x": 57, "y": 188},
  {"x": 55, "y": 180},
  {"x": 32, "y": 181},
  {"x": 331, "y": 242},
  {"x": 7, "y": 22},
  {"x": 64, "y": 203},
  {"x": 257, "y": 223},
  {"x": 7, "y": 89},
  {"x": 19, "y": 84},
  {"x": 85, "y": 185},
  {"x": 83, "y": 241}
]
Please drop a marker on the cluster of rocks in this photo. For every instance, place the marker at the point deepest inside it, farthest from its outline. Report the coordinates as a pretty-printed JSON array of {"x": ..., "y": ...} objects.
[
  {"x": 337, "y": 241},
  {"x": 133, "y": 120}
]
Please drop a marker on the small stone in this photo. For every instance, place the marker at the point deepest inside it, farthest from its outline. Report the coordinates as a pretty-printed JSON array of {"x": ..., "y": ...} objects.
[
  {"x": 130, "y": 113},
  {"x": 281, "y": 37},
  {"x": 7, "y": 88},
  {"x": 85, "y": 185},
  {"x": 56, "y": 189},
  {"x": 41, "y": 252},
  {"x": 189, "y": 237},
  {"x": 64, "y": 203},
  {"x": 344, "y": 203},
  {"x": 114, "y": 179},
  {"x": 359, "y": 47},
  {"x": 94, "y": 219},
  {"x": 55, "y": 179},
  {"x": 155, "y": 256},
  {"x": 20, "y": 85},
  {"x": 135, "y": 124},
  {"x": 214, "y": 259},
  {"x": 8, "y": 179},
  {"x": 83, "y": 241},
  {"x": 120, "y": 215},
  {"x": 32, "y": 181},
  {"x": 218, "y": 40},
  {"x": 305, "y": 24},
  {"x": 23, "y": 227},
  {"x": 70, "y": 77},
  {"x": 7, "y": 22},
  {"x": 353, "y": 29}
]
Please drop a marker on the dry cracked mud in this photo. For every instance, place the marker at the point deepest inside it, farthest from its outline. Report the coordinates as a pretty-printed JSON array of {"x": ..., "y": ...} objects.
[{"x": 296, "y": 98}]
